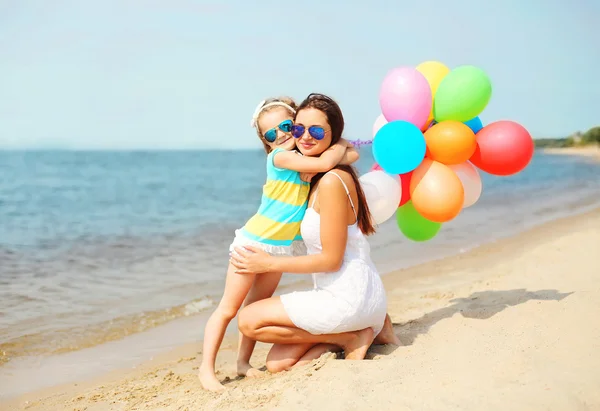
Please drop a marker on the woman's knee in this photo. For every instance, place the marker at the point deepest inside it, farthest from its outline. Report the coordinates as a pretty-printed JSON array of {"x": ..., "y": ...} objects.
[
  {"x": 275, "y": 366},
  {"x": 268, "y": 312},
  {"x": 284, "y": 357}
]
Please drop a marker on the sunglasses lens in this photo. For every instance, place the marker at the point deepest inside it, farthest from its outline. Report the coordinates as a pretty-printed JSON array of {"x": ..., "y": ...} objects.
[
  {"x": 297, "y": 130},
  {"x": 271, "y": 135},
  {"x": 317, "y": 132},
  {"x": 286, "y": 126}
]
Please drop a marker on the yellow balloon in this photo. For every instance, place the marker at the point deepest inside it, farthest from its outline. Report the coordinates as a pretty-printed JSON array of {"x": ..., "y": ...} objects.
[
  {"x": 428, "y": 122},
  {"x": 434, "y": 72}
]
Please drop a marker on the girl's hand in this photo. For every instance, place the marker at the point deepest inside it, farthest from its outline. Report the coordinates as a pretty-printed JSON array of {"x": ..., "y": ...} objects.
[
  {"x": 307, "y": 176},
  {"x": 251, "y": 260}
]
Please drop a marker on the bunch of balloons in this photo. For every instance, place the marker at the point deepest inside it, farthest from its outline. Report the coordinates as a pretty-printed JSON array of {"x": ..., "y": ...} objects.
[{"x": 429, "y": 143}]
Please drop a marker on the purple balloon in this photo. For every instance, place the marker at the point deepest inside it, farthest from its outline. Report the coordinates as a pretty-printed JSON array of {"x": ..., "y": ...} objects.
[{"x": 405, "y": 95}]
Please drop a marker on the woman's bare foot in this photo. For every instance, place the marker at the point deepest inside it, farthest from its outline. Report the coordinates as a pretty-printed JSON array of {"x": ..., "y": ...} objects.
[
  {"x": 209, "y": 380},
  {"x": 387, "y": 335},
  {"x": 358, "y": 344},
  {"x": 244, "y": 369}
]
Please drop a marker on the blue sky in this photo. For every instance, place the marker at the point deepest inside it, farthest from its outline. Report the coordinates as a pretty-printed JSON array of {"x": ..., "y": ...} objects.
[{"x": 188, "y": 74}]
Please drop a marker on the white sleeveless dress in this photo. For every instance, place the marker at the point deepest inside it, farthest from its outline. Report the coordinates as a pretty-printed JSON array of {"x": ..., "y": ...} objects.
[{"x": 350, "y": 299}]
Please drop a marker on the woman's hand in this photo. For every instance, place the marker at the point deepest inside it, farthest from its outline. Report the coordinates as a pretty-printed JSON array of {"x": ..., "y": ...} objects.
[{"x": 251, "y": 260}]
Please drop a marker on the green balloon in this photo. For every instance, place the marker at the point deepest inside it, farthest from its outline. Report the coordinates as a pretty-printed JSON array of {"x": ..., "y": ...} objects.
[
  {"x": 413, "y": 225},
  {"x": 462, "y": 94}
]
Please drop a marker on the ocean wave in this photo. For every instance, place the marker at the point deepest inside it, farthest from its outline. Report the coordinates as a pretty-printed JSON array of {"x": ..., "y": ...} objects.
[{"x": 61, "y": 340}]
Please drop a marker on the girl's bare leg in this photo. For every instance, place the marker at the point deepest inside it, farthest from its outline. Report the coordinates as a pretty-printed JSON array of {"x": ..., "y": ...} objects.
[
  {"x": 263, "y": 287},
  {"x": 236, "y": 289}
]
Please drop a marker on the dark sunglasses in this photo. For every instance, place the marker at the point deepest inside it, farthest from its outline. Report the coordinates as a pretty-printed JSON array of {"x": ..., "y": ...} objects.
[
  {"x": 285, "y": 126},
  {"x": 316, "y": 132}
]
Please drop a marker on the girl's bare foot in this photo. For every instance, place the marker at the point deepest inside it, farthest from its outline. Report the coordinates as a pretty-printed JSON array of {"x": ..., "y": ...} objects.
[
  {"x": 244, "y": 369},
  {"x": 358, "y": 344},
  {"x": 209, "y": 380},
  {"x": 387, "y": 335}
]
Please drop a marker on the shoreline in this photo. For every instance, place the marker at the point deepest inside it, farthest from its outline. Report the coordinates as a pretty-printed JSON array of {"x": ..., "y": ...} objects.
[
  {"x": 590, "y": 151},
  {"x": 418, "y": 298}
]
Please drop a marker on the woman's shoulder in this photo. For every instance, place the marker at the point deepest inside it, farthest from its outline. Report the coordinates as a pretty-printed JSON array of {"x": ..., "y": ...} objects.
[{"x": 337, "y": 178}]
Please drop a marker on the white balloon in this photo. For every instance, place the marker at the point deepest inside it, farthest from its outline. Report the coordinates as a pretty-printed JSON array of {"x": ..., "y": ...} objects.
[
  {"x": 379, "y": 122},
  {"x": 382, "y": 192},
  {"x": 471, "y": 181}
]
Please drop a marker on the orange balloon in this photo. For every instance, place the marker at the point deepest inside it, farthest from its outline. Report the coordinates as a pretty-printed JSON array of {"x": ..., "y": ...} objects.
[
  {"x": 450, "y": 142},
  {"x": 436, "y": 191}
]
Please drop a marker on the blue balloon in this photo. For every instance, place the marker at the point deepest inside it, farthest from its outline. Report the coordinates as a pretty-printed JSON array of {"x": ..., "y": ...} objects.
[
  {"x": 474, "y": 124},
  {"x": 399, "y": 147}
]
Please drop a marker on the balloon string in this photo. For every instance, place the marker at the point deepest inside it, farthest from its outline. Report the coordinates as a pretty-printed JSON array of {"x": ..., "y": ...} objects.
[{"x": 359, "y": 143}]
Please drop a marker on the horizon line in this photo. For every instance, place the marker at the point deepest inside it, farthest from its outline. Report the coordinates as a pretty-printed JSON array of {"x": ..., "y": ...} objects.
[{"x": 128, "y": 149}]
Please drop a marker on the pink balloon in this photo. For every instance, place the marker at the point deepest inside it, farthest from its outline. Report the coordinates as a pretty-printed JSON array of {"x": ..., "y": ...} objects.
[
  {"x": 379, "y": 122},
  {"x": 405, "y": 95},
  {"x": 471, "y": 181},
  {"x": 375, "y": 167}
]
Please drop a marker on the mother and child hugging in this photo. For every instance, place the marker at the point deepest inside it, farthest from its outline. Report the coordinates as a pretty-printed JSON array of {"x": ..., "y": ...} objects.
[{"x": 313, "y": 219}]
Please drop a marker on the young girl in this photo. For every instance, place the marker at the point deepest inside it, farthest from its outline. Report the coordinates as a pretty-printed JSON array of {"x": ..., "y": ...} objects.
[{"x": 275, "y": 228}]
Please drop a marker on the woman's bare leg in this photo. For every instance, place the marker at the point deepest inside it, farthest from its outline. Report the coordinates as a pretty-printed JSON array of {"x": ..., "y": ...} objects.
[
  {"x": 236, "y": 289},
  {"x": 316, "y": 352},
  {"x": 263, "y": 287},
  {"x": 267, "y": 321},
  {"x": 283, "y": 357},
  {"x": 387, "y": 335}
]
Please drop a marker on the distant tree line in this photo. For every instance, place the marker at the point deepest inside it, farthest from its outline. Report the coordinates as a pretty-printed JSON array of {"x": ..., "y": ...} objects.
[{"x": 592, "y": 136}]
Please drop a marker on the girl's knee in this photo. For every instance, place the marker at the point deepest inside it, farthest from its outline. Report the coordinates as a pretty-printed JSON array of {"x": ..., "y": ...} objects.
[{"x": 227, "y": 313}]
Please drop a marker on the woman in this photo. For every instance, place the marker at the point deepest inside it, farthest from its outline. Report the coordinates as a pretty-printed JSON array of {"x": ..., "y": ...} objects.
[{"x": 347, "y": 307}]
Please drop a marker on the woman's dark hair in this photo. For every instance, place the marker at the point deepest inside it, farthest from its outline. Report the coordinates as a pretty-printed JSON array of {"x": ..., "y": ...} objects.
[{"x": 335, "y": 118}]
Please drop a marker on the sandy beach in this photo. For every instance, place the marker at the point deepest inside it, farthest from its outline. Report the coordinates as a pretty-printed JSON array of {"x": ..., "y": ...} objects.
[
  {"x": 592, "y": 151},
  {"x": 512, "y": 322}
]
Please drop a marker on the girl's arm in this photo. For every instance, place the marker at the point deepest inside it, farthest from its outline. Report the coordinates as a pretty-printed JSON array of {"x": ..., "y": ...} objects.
[
  {"x": 334, "y": 233},
  {"x": 304, "y": 164}
]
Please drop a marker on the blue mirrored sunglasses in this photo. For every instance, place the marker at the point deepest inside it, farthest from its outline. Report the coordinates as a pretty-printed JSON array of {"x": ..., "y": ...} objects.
[
  {"x": 316, "y": 132},
  {"x": 271, "y": 134}
]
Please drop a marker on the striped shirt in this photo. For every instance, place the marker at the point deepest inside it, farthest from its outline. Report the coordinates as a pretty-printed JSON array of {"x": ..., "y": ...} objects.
[{"x": 284, "y": 201}]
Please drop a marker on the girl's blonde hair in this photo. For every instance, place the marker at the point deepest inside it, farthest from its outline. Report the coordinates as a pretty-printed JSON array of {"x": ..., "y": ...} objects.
[{"x": 267, "y": 105}]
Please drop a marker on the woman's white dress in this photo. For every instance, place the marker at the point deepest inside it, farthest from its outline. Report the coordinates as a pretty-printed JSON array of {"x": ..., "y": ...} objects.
[{"x": 350, "y": 299}]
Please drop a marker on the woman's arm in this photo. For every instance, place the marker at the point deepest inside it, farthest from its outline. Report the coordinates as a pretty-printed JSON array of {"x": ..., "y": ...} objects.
[
  {"x": 304, "y": 164},
  {"x": 334, "y": 233}
]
